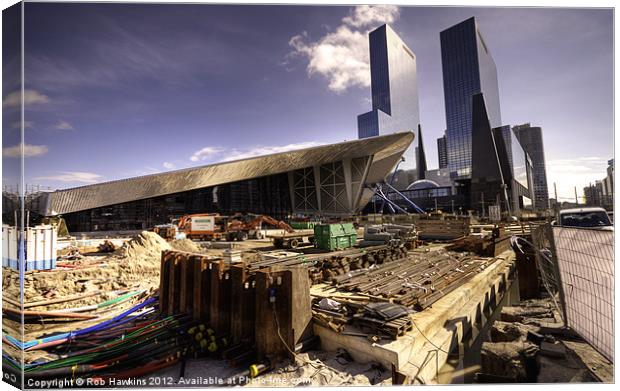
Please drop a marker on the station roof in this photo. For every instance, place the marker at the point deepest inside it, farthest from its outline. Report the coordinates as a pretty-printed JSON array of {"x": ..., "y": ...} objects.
[{"x": 386, "y": 151}]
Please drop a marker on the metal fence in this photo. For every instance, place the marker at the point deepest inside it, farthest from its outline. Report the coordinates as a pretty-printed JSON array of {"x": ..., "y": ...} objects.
[
  {"x": 542, "y": 236},
  {"x": 577, "y": 269},
  {"x": 585, "y": 259}
]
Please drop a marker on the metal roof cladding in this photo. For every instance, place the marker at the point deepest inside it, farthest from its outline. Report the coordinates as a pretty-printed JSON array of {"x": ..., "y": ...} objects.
[{"x": 386, "y": 151}]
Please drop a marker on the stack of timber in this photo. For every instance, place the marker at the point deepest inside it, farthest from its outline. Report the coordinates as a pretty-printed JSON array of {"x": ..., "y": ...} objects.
[
  {"x": 523, "y": 229},
  {"x": 491, "y": 244},
  {"x": 429, "y": 229},
  {"x": 417, "y": 281}
]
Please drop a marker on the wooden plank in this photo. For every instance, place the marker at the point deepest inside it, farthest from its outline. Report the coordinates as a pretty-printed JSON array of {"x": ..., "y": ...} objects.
[
  {"x": 250, "y": 317},
  {"x": 267, "y": 340},
  {"x": 225, "y": 304},
  {"x": 301, "y": 305},
  {"x": 173, "y": 284},
  {"x": 187, "y": 283},
  {"x": 238, "y": 277},
  {"x": 201, "y": 289},
  {"x": 219, "y": 299},
  {"x": 164, "y": 280},
  {"x": 287, "y": 319}
]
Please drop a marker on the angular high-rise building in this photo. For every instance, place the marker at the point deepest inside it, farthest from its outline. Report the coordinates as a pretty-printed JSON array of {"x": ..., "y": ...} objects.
[
  {"x": 394, "y": 87},
  {"x": 468, "y": 69},
  {"x": 442, "y": 151},
  {"x": 531, "y": 139}
]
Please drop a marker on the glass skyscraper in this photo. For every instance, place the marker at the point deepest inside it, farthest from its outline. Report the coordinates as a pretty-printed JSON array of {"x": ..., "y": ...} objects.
[
  {"x": 442, "y": 151},
  {"x": 394, "y": 89},
  {"x": 468, "y": 68},
  {"x": 532, "y": 141}
]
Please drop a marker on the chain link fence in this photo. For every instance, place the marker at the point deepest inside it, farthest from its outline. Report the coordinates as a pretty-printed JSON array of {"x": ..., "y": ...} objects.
[{"x": 577, "y": 269}]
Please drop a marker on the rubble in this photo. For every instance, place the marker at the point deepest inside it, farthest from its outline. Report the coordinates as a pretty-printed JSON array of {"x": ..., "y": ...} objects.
[{"x": 515, "y": 360}]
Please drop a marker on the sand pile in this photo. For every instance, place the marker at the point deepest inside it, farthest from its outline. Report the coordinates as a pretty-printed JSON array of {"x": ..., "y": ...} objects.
[
  {"x": 134, "y": 266},
  {"x": 147, "y": 245},
  {"x": 186, "y": 245}
]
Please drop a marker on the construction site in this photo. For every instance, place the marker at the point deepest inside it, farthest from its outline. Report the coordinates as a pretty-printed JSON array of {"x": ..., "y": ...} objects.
[
  {"x": 260, "y": 249},
  {"x": 250, "y": 300}
]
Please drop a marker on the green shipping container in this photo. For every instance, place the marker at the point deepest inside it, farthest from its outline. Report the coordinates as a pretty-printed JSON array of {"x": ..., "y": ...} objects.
[
  {"x": 303, "y": 224},
  {"x": 333, "y": 237}
]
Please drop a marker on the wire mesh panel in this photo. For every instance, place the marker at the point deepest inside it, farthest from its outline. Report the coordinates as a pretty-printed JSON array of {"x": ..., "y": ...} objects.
[
  {"x": 586, "y": 266},
  {"x": 542, "y": 236}
]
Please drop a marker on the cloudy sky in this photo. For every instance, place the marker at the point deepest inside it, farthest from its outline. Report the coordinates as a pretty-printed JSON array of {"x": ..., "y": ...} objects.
[{"x": 118, "y": 90}]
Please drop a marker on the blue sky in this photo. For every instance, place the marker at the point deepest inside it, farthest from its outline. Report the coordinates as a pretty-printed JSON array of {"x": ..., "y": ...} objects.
[{"x": 118, "y": 90}]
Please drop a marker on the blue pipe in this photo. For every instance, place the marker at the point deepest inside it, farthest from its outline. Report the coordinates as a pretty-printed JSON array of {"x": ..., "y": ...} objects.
[
  {"x": 415, "y": 207},
  {"x": 392, "y": 181},
  {"x": 390, "y": 202},
  {"x": 72, "y": 334}
]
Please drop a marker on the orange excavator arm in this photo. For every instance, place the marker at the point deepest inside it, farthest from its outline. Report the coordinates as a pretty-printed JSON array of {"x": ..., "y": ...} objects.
[{"x": 271, "y": 221}]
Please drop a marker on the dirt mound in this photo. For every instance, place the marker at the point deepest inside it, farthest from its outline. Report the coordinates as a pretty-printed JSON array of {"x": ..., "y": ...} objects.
[
  {"x": 186, "y": 245},
  {"x": 147, "y": 245}
]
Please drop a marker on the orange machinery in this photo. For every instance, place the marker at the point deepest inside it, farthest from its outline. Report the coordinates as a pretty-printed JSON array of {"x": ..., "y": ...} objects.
[
  {"x": 203, "y": 226},
  {"x": 241, "y": 227}
]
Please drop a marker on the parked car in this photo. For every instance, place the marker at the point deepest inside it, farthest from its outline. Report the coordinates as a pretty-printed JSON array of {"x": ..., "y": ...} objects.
[{"x": 585, "y": 217}]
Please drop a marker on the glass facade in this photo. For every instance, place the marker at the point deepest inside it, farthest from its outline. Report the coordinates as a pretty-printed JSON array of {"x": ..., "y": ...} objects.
[
  {"x": 507, "y": 136},
  {"x": 532, "y": 141},
  {"x": 518, "y": 159},
  {"x": 394, "y": 89},
  {"x": 442, "y": 198},
  {"x": 266, "y": 195},
  {"x": 468, "y": 69},
  {"x": 442, "y": 152}
]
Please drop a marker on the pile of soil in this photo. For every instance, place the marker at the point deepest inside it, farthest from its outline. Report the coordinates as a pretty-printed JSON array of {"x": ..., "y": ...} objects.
[
  {"x": 146, "y": 245},
  {"x": 134, "y": 266},
  {"x": 186, "y": 245}
]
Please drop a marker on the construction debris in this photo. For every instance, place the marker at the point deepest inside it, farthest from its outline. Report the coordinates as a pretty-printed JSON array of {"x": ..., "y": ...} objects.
[
  {"x": 390, "y": 234},
  {"x": 228, "y": 304},
  {"x": 429, "y": 229},
  {"x": 418, "y": 280},
  {"x": 106, "y": 247},
  {"x": 529, "y": 344}
]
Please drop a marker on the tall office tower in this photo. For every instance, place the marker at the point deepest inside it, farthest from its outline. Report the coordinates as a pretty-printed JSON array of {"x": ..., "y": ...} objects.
[
  {"x": 394, "y": 89},
  {"x": 505, "y": 131},
  {"x": 531, "y": 139},
  {"x": 442, "y": 151},
  {"x": 468, "y": 69}
]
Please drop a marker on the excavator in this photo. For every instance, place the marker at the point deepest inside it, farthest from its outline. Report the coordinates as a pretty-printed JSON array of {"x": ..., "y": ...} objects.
[
  {"x": 241, "y": 227},
  {"x": 212, "y": 226}
]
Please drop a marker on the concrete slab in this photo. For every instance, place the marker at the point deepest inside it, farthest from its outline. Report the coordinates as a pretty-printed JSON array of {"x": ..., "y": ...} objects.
[{"x": 421, "y": 352}]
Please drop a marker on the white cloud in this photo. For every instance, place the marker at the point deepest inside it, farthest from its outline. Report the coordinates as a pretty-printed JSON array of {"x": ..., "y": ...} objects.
[
  {"x": 205, "y": 153},
  {"x": 570, "y": 173},
  {"x": 73, "y": 176},
  {"x": 30, "y": 97},
  {"x": 29, "y": 150},
  {"x": 63, "y": 125},
  {"x": 366, "y": 15},
  {"x": 169, "y": 165},
  {"x": 342, "y": 55},
  {"x": 226, "y": 155},
  {"x": 237, "y": 154}
]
